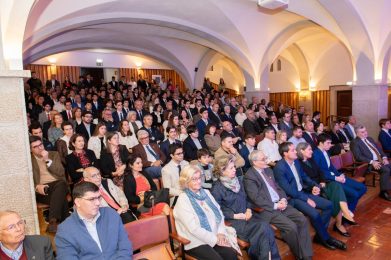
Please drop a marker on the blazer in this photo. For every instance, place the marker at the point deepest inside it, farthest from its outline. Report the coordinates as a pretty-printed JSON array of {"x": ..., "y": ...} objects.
[
  {"x": 215, "y": 119},
  {"x": 74, "y": 242},
  {"x": 116, "y": 117},
  {"x": 361, "y": 152},
  {"x": 201, "y": 126},
  {"x": 62, "y": 150},
  {"x": 164, "y": 147},
  {"x": 250, "y": 127},
  {"x": 385, "y": 140},
  {"x": 49, "y": 83},
  {"x": 116, "y": 193},
  {"x": 239, "y": 161},
  {"x": 263, "y": 123},
  {"x": 130, "y": 187},
  {"x": 313, "y": 171},
  {"x": 328, "y": 172},
  {"x": 107, "y": 165},
  {"x": 143, "y": 113},
  {"x": 38, "y": 247},
  {"x": 154, "y": 134},
  {"x": 288, "y": 129},
  {"x": 42, "y": 118},
  {"x": 229, "y": 118},
  {"x": 139, "y": 150},
  {"x": 308, "y": 138},
  {"x": 244, "y": 152},
  {"x": 65, "y": 115},
  {"x": 81, "y": 129},
  {"x": 56, "y": 169},
  {"x": 348, "y": 132},
  {"x": 257, "y": 191},
  {"x": 170, "y": 178},
  {"x": 213, "y": 142},
  {"x": 342, "y": 137},
  {"x": 73, "y": 164},
  {"x": 190, "y": 149},
  {"x": 287, "y": 181}
]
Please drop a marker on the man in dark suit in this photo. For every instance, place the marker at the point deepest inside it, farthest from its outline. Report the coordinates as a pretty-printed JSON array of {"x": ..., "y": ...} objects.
[
  {"x": 247, "y": 148},
  {"x": 203, "y": 122},
  {"x": 113, "y": 83},
  {"x": 150, "y": 154},
  {"x": 155, "y": 136},
  {"x": 309, "y": 135},
  {"x": 264, "y": 194},
  {"x": 86, "y": 128},
  {"x": 67, "y": 113},
  {"x": 214, "y": 115},
  {"x": 316, "y": 119},
  {"x": 171, "y": 139},
  {"x": 274, "y": 122},
  {"x": 52, "y": 83},
  {"x": 304, "y": 195},
  {"x": 140, "y": 112},
  {"x": 236, "y": 135},
  {"x": 97, "y": 105},
  {"x": 15, "y": 242},
  {"x": 385, "y": 134},
  {"x": 250, "y": 125},
  {"x": 190, "y": 111},
  {"x": 193, "y": 143},
  {"x": 263, "y": 120},
  {"x": 365, "y": 149},
  {"x": 342, "y": 134},
  {"x": 286, "y": 124},
  {"x": 226, "y": 116},
  {"x": 119, "y": 114}
]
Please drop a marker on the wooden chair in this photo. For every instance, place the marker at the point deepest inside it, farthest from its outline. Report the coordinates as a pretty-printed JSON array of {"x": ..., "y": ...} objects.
[
  {"x": 337, "y": 161},
  {"x": 151, "y": 236},
  {"x": 258, "y": 138}
]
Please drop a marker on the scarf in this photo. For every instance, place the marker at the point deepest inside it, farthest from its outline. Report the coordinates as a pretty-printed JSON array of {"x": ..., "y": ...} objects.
[
  {"x": 231, "y": 184},
  {"x": 83, "y": 159},
  {"x": 199, "y": 211}
]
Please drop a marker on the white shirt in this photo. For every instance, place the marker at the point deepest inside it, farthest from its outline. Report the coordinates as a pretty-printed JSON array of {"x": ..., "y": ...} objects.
[
  {"x": 150, "y": 156},
  {"x": 239, "y": 118},
  {"x": 295, "y": 141},
  {"x": 270, "y": 150},
  {"x": 91, "y": 228},
  {"x": 374, "y": 155},
  {"x": 170, "y": 178},
  {"x": 197, "y": 143},
  {"x": 275, "y": 126},
  {"x": 326, "y": 156},
  {"x": 296, "y": 175}
]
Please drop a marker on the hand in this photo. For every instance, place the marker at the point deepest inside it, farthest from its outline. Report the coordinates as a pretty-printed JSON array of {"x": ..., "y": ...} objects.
[
  {"x": 249, "y": 214},
  {"x": 376, "y": 165},
  {"x": 315, "y": 190},
  {"x": 281, "y": 205},
  {"x": 233, "y": 150},
  {"x": 322, "y": 184},
  {"x": 156, "y": 163},
  {"x": 121, "y": 210},
  {"x": 311, "y": 202},
  {"x": 45, "y": 155},
  {"x": 385, "y": 161},
  {"x": 240, "y": 216},
  {"x": 222, "y": 240},
  {"x": 340, "y": 179},
  {"x": 41, "y": 189}
]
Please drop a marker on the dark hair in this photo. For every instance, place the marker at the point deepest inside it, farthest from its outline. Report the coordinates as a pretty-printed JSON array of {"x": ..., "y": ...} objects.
[
  {"x": 296, "y": 127},
  {"x": 202, "y": 110},
  {"x": 225, "y": 135},
  {"x": 45, "y": 103},
  {"x": 34, "y": 138},
  {"x": 86, "y": 113},
  {"x": 268, "y": 129},
  {"x": 202, "y": 152},
  {"x": 169, "y": 127},
  {"x": 284, "y": 148},
  {"x": 65, "y": 123},
  {"x": 120, "y": 130},
  {"x": 323, "y": 138},
  {"x": 250, "y": 135},
  {"x": 131, "y": 159},
  {"x": 383, "y": 121},
  {"x": 173, "y": 147},
  {"x": 316, "y": 113},
  {"x": 80, "y": 189},
  {"x": 73, "y": 139},
  {"x": 208, "y": 127},
  {"x": 191, "y": 129},
  {"x": 34, "y": 125}
]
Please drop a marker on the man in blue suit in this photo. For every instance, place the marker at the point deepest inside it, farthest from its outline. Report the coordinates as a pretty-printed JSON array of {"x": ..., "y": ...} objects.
[
  {"x": 385, "y": 135},
  {"x": 119, "y": 114},
  {"x": 92, "y": 232},
  {"x": 203, "y": 122},
  {"x": 304, "y": 195},
  {"x": 247, "y": 148},
  {"x": 353, "y": 189},
  {"x": 171, "y": 139}
]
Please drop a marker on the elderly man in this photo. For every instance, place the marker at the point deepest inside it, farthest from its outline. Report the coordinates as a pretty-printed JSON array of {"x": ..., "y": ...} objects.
[
  {"x": 92, "y": 232},
  {"x": 150, "y": 154},
  {"x": 49, "y": 181},
  {"x": 236, "y": 136},
  {"x": 15, "y": 244},
  {"x": 112, "y": 195},
  {"x": 250, "y": 125},
  {"x": 155, "y": 136}
]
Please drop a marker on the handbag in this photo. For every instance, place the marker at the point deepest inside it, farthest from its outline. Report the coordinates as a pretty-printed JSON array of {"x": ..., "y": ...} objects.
[{"x": 154, "y": 197}]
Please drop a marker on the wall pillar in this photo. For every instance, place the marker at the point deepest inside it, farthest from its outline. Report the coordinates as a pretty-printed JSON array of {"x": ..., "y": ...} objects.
[
  {"x": 370, "y": 104},
  {"x": 16, "y": 181}
]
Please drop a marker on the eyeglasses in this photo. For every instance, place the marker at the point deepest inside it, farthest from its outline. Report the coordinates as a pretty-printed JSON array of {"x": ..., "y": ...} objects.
[
  {"x": 195, "y": 179},
  {"x": 92, "y": 199},
  {"x": 95, "y": 176},
  {"x": 37, "y": 146},
  {"x": 12, "y": 227},
  {"x": 143, "y": 138}
]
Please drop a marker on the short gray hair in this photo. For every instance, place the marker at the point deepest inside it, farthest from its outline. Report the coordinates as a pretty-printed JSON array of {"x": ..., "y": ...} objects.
[
  {"x": 186, "y": 174},
  {"x": 141, "y": 132},
  {"x": 358, "y": 127},
  {"x": 254, "y": 155}
]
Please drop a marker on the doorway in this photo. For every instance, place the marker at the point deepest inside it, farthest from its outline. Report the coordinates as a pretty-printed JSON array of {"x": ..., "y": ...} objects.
[{"x": 344, "y": 103}]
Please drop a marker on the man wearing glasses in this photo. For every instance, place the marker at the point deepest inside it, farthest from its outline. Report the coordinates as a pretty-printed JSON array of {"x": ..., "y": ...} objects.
[
  {"x": 49, "y": 181},
  {"x": 14, "y": 244},
  {"x": 86, "y": 128},
  {"x": 92, "y": 232}
]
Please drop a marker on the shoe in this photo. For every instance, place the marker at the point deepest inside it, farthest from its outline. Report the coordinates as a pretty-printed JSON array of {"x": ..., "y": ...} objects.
[
  {"x": 337, "y": 243},
  {"x": 385, "y": 195},
  {"x": 326, "y": 244},
  {"x": 52, "y": 227},
  {"x": 345, "y": 234},
  {"x": 347, "y": 221}
]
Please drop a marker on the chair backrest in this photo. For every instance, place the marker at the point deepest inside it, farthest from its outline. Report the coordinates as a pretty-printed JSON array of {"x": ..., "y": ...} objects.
[
  {"x": 336, "y": 161},
  {"x": 148, "y": 231},
  {"x": 258, "y": 138},
  {"x": 347, "y": 159}
]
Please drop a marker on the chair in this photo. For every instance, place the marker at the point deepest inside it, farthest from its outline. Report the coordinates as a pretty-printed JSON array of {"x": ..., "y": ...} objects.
[
  {"x": 338, "y": 162},
  {"x": 151, "y": 236},
  {"x": 258, "y": 138}
]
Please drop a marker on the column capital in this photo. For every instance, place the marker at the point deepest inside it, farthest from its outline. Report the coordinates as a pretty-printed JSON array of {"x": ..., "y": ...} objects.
[{"x": 15, "y": 73}]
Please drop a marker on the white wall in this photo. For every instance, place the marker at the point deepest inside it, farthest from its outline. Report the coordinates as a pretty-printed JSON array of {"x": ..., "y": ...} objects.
[
  {"x": 109, "y": 72},
  {"x": 285, "y": 80},
  {"x": 222, "y": 69}
]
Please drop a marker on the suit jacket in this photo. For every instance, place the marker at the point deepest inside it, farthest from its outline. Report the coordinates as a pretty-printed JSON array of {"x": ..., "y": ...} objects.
[
  {"x": 73, "y": 164},
  {"x": 385, "y": 140},
  {"x": 329, "y": 172},
  {"x": 56, "y": 169},
  {"x": 115, "y": 192},
  {"x": 154, "y": 134},
  {"x": 361, "y": 152},
  {"x": 164, "y": 147},
  {"x": 251, "y": 127},
  {"x": 313, "y": 171},
  {"x": 308, "y": 139},
  {"x": 116, "y": 117},
  {"x": 49, "y": 83},
  {"x": 143, "y": 113},
  {"x": 130, "y": 187},
  {"x": 201, "y": 126},
  {"x": 191, "y": 149},
  {"x": 257, "y": 191},
  {"x": 244, "y": 152},
  {"x": 42, "y": 118},
  {"x": 342, "y": 137},
  {"x": 348, "y": 132},
  {"x": 263, "y": 123},
  {"x": 287, "y": 181},
  {"x": 65, "y": 115},
  {"x": 229, "y": 118},
  {"x": 288, "y": 129},
  {"x": 139, "y": 150},
  {"x": 81, "y": 129},
  {"x": 38, "y": 247},
  {"x": 73, "y": 241},
  {"x": 215, "y": 119},
  {"x": 107, "y": 165}
]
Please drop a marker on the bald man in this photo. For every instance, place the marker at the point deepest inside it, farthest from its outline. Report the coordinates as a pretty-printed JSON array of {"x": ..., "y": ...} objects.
[{"x": 14, "y": 244}]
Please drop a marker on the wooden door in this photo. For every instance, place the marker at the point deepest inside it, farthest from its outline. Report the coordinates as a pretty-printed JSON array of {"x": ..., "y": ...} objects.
[{"x": 344, "y": 103}]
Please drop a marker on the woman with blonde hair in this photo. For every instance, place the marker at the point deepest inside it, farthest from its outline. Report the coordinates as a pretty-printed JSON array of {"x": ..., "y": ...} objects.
[
  {"x": 199, "y": 219},
  {"x": 281, "y": 137},
  {"x": 55, "y": 131},
  {"x": 229, "y": 193}
]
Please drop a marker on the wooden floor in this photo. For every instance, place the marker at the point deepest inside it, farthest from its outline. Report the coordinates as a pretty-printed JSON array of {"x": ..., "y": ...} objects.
[{"x": 371, "y": 239}]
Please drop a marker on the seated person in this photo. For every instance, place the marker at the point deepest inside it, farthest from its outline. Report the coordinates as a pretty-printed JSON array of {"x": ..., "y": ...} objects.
[
  {"x": 248, "y": 147},
  {"x": 297, "y": 136},
  {"x": 92, "y": 232},
  {"x": 113, "y": 159},
  {"x": 50, "y": 185},
  {"x": 353, "y": 190},
  {"x": 332, "y": 190},
  {"x": 199, "y": 219},
  {"x": 193, "y": 143},
  {"x": 79, "y": 159},
  {"x": 171, "y": 139},
  {"x": 62, "y": 144},
  {"x": 97, "y": 142},
  {"x": 263, "y": 192},
  {"x": 304, "y": 195},
  {"x": 229, "y": 193},
  {"x": 150, "y": 153},
  {"x": 155, "y": 136},
  {"x": 212, "y": 139},
  {"x": 236, "y": 135},
  {"x": 385, "y": 134},
  {"x": 269, "y": 147},
  {"x": 111, "y": 195},
  {"x": 136, "y": 183},
  {"x": 226, "y": 148},
  {"x": 35, "y": 129},
  {"x": 172, "y": 170},
  {"x": 204, "y": 162}
]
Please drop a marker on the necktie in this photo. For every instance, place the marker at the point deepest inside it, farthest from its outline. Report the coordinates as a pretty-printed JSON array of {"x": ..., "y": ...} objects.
[
  {"x": 69, "y": 115},
  {"x": 374, "y": 149},
  {"x": 121, "y": 116},
  {"x": 48, "y": 114},
  {"x": 152, "y": 152},
  {"x": 108, "y": 199},
  {"x": 140, "y": 115},
  {"x": 179, "y": 169},
  {"x": 314, "y": 138},
  {"x": 271, "y": 182}
]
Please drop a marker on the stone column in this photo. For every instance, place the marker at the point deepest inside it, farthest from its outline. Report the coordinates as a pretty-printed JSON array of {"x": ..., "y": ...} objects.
[
  {"x": 370, "y": 104},
  {"x": 16, "y": 181}
]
